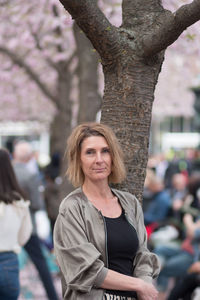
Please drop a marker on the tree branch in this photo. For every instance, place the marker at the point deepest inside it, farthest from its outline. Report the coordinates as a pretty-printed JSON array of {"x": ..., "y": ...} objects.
[
  {"x": 102, "y": 34},
  {"x": 64, "y": 65},
  {"x": 188, "y": 14},
  {"x": 170, "y": 28},
  {"x": 31, "y": 73}
]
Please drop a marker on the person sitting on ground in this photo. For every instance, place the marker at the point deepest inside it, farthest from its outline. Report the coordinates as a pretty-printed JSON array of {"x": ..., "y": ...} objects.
[
  {"x": 186, "y": 285},
  {"x": 160, "y": 203},
  {"x": 176, "y": 259}
]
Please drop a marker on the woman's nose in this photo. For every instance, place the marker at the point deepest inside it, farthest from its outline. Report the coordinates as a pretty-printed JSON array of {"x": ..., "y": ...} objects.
[{"x": 99, "y": 157}]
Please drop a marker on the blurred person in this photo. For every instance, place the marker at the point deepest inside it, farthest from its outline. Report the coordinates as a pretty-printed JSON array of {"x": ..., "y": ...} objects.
[
  {"x": 53, "y": 168},
  {"x": 186, "y": 285},
  {"x": 178, "y": 194},
  {"x": 52, "y": 190},
  {"x": 176, "y": 259},
  {"x": 179, "y": 186},
  {"x": 52, "y": 198},
  {"x": 193, "y": 191},
  {"x": 30, "y": 183},
  {"x": 35, "y": 168},
  {"x": 158, "y": 163},
  {"x": 147, "y": 194},
  {"x": 179, "y": 164},
  {"x": 161, "y": 165},
  {"x": 160, "y": 203},
  {"x": 32, "y": 163},
  {"x": 99, "y": 237},
  {"x": 184, "y": 199},
  {"x": 15, "y": 228},
  {"x": 172, "y": 227}
]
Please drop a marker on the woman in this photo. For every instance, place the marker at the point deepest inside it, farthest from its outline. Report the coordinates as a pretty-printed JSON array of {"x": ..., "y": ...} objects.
[
  {"x": 99, "y": 236},
  {"x": 15, "y": 228}
]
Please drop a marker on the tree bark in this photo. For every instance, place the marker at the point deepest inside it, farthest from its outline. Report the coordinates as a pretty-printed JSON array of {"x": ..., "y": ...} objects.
[
  {"x": 88, "y": 61},
  {"x": 132, "y": 56},
  {"x": 127, "y": 106}
]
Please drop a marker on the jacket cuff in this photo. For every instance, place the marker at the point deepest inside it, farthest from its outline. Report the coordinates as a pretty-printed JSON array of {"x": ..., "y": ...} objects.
[
  {"x": 146, "y": 278},
  {"x": 100, "y": 277}
]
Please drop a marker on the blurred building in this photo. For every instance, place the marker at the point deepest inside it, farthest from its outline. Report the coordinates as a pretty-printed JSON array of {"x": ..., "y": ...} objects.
[
  {"x": 174, "y": 119},
  {"x": 37, "y": 133}
]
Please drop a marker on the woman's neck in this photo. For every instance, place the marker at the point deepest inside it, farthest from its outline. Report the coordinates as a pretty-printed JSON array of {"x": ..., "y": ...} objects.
[
  {"x": 100, "y": 190},
  {"x": 101, "y": 196}
]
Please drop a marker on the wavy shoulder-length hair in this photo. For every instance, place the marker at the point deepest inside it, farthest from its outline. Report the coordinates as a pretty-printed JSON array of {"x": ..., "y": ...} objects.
[
  {"x": 73, "y": 152},
  {"x": 9, "y": 187}
]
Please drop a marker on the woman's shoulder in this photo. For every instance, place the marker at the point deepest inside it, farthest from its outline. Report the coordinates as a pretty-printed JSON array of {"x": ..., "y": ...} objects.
[
  {"x": 127, "y": 196},
  {"x": 22, "y": 203},
  {"x": 20, "y": 207},
  {"x": 128, "y": 200},
  {"x": 72, "y": 200}
]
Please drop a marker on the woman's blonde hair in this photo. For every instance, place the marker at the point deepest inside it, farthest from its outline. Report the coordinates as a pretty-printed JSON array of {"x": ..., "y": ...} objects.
[{"x": 73, "y": 151}]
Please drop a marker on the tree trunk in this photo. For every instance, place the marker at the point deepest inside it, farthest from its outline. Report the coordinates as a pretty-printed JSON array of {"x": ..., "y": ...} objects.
[
  {"x": 61, "y": 125},
  {"x": 132, "y": 57},
  {"x": 127, "y": 107},
  {"x": 88, "y": 61}
]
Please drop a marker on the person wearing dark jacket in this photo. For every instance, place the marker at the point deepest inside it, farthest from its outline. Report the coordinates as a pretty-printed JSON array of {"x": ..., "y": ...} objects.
[{"x": 159, "y": 206}]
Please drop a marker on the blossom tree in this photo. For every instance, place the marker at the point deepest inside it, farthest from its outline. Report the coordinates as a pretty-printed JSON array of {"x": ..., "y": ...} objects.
[
  {"x": 180, "y": 72},
  {"x": 41, "y": 63},
  {"x": 40, "y": 51},
  {"x": 132, "y": 56}
]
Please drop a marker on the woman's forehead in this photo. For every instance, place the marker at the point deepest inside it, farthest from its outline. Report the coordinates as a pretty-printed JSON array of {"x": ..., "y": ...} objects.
[{"x": 94, "y": 141}]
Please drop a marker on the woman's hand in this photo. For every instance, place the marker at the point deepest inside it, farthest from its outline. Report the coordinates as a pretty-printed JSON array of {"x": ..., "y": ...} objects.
[
  {"x": 147, "y": 292},
  {"x": 121, "y": 282}
]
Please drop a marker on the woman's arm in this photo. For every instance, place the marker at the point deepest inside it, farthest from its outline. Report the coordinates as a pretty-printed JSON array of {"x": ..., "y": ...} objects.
[
  {"x": 79, "y": 260},
  {"x": 25, "y": 229},
  {"x": 117, "y": 281}
]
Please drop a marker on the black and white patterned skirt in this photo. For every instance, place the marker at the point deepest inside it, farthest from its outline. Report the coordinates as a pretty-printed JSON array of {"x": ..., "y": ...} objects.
[{"x": 115, "y": 297}]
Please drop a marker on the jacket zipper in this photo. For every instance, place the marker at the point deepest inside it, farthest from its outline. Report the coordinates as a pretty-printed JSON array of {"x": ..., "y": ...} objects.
[
  {"x": 106, "y": 247},
  {"x": 106, "y": 237}
]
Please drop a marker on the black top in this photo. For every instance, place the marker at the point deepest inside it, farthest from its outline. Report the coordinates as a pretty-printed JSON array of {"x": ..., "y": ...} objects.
[{"x": 122, "y": 245}]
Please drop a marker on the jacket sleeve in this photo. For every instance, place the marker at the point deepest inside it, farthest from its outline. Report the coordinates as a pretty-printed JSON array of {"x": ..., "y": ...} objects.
[
  {"x": 146, "y": 263},
  {"x": 77, "y": 258}
]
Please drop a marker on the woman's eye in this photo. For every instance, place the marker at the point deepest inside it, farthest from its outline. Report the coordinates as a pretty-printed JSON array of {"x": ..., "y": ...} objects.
[
  {"x": 106, "y": 150},
  {"x": 89, "y": 152}
]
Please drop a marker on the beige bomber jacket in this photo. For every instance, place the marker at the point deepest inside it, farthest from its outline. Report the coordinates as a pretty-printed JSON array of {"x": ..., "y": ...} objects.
[{"x": 80, "y": 245}]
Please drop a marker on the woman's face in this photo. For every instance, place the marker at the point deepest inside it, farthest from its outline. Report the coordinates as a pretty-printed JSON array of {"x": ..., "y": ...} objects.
[{"x": 95, "y": 158}]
